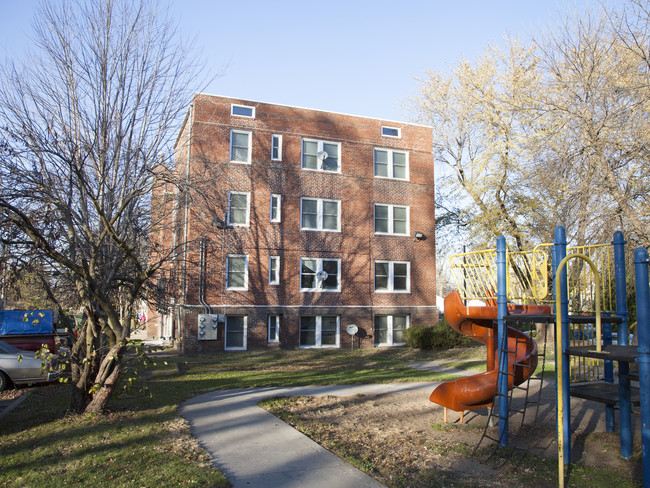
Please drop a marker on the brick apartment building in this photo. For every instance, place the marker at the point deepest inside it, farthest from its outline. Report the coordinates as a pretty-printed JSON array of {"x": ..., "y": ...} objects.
[{"x": 301, "y": 223}]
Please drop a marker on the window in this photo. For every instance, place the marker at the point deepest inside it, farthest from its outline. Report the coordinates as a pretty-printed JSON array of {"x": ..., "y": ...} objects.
[
  {"x": 391, "y": 164},
  {"x": 242, "y": 111},
  {"x": 238, "y": 208},
  {"x": 275, "y": 208},
  {"x": 321, "y": 155},
  {"x": 319, "y": 331},
  {"x": 391, "y": 131},
  {"x": 392, "y": 276},
  {"x": 274, "y": 328},
  {"x": 320, "y": 214},
  {"x": 389, "y": 329},
  {"x": 236, "y": 327},
  {"x": 391, "y": 219},
  {"x": 274, "y": 270},
  {"x": 276, "y": 147},
  {"x": 236, "y": 272},
  {"x": 320, "y": 274},
  {"x": 240, "y": 146}
]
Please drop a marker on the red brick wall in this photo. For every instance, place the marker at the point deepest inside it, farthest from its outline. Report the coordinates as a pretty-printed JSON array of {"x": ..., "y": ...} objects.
[{"x": 356, "y": 245}]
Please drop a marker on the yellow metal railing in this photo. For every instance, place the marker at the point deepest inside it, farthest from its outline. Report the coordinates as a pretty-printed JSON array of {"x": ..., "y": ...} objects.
[{"x": 529, "y": 280}]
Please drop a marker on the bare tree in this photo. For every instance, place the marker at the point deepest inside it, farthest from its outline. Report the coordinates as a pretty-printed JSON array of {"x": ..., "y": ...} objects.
[{"x": 87, "y": 122}]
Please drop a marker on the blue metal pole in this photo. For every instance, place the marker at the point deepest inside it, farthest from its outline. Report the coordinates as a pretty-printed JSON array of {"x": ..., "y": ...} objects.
[
  {"x": 560, "y": 245},
  {"x": 643, "y": 331},
  {"x": 502, "y": 311},
  {"x": 625, "y": 403}
]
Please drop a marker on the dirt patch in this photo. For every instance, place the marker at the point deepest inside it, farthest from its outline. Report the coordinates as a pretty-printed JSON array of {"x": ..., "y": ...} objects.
[{"x": 401, "y": 440}]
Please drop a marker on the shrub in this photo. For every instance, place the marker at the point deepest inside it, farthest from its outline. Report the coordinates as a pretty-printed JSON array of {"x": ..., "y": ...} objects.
[{"x": 439, "y": 336}]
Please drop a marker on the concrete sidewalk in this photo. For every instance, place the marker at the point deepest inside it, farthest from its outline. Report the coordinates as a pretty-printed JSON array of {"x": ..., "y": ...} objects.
[{"x": 255, "y": 449}]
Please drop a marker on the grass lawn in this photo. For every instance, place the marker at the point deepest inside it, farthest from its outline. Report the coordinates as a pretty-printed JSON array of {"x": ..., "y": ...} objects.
[{"x": 142, "y": 441}]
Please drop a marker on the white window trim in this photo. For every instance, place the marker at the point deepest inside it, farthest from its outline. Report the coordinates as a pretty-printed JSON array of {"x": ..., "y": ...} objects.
[
  {"x": 391, "y": 277},
  {"x": 279, "y": 137},
  {"x": 250, "y": 145},
  {"x": 278, "y": 217},
  {"x": 232, "y": 110},
  {"x": 319, "y": 282},
  {"x": 398, "y": 129},
  {"x": 276, "y": 338},
  {"x": 319, "y": 223},
  {"x": 248, "y": 209},
  {"x": 389, "y": 333},
  {"x": 319, "y": 333},
  {"x": 391, "y": 165},
  {"x": 274, "y": 280},
  {"x": 245, "y": 332},
  {"x": 320, "y": 148},
  {"x": 228, "y": 257},
  {"x": 391, "y": 224}
]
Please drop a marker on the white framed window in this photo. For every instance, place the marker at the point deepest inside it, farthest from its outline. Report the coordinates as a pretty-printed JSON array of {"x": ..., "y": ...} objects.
[
  {"x": 240, "y": 146},
  {"x": 390, "y": 163},
  {"x": 276, "y": 147},
  {"x": 276, "y": 206},
  {"x": 391, "y": 131},
  {"x": 236, "y": 332},
  {"x": 242, "y": 111},
  {"x": 392, "y": 276},
  {"x": 320, "y": 274},
  {"x": 237, "y": 272},
  {"x": 321, "y": 155},
  {"x": 391, "y": 219},
  {"x": 274, "y": 270},
  {"x": 274, "y": 328},
  {"x": 318, "y": 331},
  {"x": 389, "y": 329},
  {"x": 320, "y": 214},
  {"x": 239, "y": 208}
]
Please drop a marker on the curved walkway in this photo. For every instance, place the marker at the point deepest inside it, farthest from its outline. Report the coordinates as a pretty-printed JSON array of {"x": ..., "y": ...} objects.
[{"x": 255, "y": 449}]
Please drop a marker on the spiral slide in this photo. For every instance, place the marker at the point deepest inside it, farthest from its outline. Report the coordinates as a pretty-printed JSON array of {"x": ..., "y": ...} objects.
[{"x": 480, "y": 324}]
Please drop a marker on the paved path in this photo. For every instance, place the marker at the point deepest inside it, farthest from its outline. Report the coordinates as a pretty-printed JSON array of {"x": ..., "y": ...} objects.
[{"x": 255, "y": 449}]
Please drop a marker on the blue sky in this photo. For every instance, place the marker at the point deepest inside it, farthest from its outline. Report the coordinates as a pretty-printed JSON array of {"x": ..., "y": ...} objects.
[{"x": 356, "y": 56}]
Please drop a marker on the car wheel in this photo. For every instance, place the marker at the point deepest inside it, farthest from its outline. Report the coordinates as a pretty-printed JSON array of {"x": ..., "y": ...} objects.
[{"x": 3, "y": 381}]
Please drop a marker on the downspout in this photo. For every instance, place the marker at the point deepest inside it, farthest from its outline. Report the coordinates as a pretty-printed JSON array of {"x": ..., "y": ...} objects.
[{"x": 187, "y": 202}]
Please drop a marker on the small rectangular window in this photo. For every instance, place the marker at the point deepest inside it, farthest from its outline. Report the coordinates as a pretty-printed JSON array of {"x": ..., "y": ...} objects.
[
  {"x": 392, "y": 276},
  {"x": 390, "y": 163},
  {"x": 320, "y": 214},
  {"x": 242, "y": 111},
  {"x": 320, "y": 274},
  {"x": 276, "y": 147},
  {"x": 391, "y": 219},
  {"x": 240, "y": 146},
  {"x": 236, "y": 328},
  {"x": 274, "y": 270},
  {"x": 391, "y": 131},
  {"x": 321, "y": 155},
  {"x": 389, "y": 329},
  {"x": 320, "y": 331},
  {"x": 274, "y": 328},
  {"x": 276, "y": 201},
  {"x": 237, "y": 272},
  {"x": 238, "y": 208}
]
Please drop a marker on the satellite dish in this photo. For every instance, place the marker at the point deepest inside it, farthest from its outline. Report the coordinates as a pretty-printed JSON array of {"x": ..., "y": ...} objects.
[
  {"x": 352, "y": 329},
  {"x": 322, "y": 155},
  {"x": 321, "y": 275}
]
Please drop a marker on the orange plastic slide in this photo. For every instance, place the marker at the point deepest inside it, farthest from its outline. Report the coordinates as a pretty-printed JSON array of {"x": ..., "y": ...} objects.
[{"x": 480, "y": 324}]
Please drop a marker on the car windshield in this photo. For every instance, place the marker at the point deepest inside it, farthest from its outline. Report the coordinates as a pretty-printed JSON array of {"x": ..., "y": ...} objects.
[{"x": 8, "y": 348}]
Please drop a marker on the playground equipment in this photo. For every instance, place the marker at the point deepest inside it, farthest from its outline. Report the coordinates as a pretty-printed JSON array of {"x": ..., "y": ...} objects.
[{"x": 584, "y": 280}]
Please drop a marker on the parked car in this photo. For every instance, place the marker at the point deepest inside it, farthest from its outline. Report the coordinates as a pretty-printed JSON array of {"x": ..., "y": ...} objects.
[{"x": 19, "y": 367}]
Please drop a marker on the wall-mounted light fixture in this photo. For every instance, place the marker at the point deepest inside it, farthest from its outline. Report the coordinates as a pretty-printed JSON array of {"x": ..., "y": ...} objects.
[{"x": 419, "y": 235}]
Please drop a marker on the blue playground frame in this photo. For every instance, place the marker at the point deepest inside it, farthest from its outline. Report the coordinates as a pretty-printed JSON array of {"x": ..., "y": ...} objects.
[{"x": 641, "y": 355}]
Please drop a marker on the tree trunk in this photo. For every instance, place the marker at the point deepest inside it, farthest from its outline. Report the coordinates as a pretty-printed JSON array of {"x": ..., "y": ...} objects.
[{"x": 105, "y": 391}]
